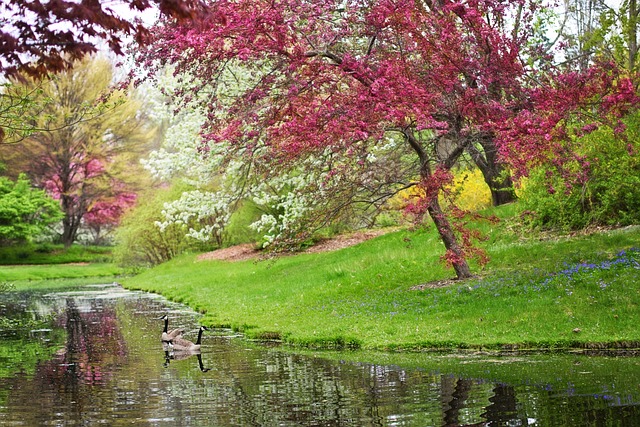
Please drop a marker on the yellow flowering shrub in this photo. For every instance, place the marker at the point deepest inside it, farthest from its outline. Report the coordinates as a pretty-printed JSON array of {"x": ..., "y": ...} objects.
[
  {"x": 469, "y": 188},
  {"x": 472, "y": 193}
]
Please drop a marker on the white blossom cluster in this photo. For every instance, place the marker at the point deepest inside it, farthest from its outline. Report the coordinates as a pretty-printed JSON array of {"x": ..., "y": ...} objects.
[
  {"x": 286, "y": 200},
  {"x": 180, "y": 156},
  {"x": 203, "y": 214}
]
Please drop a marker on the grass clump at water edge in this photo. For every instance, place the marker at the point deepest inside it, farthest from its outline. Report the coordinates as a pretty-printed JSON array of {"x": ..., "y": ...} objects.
[{"x": 557, "y": 293}]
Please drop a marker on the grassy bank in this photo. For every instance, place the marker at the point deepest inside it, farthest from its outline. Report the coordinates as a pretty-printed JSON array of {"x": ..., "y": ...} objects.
[
  {"x": 540, "y": 292},
  {"x": 46, "y": 253},
  {"x": 13, "y": 273},
  {"x": 32, "y": 266}
]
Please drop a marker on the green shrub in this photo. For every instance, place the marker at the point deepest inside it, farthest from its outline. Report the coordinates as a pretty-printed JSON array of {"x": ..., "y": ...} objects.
[
  {"x": 25, "y": 212},
  {"x": 140, "y": 243},
  {"x": 610, "y": 196},
  {"x": 238, "y": 231},
  {"x": 389, "y": 218},
  {"x": 44, "y": 248}
]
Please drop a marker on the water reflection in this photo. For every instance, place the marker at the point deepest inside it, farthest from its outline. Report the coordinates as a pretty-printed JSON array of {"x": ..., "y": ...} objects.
[
  {"x": 170, "y": 355},
  {"x": 99, "y": 359}
]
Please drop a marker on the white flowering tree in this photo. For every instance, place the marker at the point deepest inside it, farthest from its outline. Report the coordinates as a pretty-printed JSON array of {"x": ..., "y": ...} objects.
[
  {"x": 324, "y": 190},
  {"x": 320, "y": 190},
  {"x": 203, "y": 213},
  {"x": 286, "y": 202}
]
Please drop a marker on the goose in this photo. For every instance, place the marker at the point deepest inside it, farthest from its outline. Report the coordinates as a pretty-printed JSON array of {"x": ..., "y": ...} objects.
[
  {"x": 168, "y": 336},
  {"x": 181, "y": 344}
]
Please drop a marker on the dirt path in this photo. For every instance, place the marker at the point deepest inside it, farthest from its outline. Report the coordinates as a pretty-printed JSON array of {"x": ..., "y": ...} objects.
[{"x": 248, "y": 250}]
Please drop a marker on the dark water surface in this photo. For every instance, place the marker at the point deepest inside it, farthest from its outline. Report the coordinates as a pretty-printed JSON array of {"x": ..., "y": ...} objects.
[{"x": 93, "y": 356}]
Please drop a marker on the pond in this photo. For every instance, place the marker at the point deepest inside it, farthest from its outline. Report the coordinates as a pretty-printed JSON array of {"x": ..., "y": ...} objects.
[{"x": 93, "y": 356}]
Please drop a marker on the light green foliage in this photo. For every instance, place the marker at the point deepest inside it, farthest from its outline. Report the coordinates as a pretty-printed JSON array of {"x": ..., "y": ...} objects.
[
  {"x": 611, "y": 195},
  {"x": 238, "y": 230},
  {"x": 595, "y": 29},
  {"x": 140, "y": 242},
  {"x": 24, "y": 211},
  {"x": 18, "y": 108},
  {"x": 614, "y": 35}
]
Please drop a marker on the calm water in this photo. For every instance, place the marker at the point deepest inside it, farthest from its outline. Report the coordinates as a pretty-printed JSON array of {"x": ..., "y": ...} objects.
[{"x": 93, "y": 357}]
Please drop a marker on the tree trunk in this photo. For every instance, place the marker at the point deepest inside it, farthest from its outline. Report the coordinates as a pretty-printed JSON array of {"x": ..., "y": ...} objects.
[
  {"x": 68, "y": 233},
  {"x": 500, "y": 185},
  {"x": 632, "y": 34},
  {"x": 494, "y": 173},
  {"x": 70, "y": 222},
  {"x": 435, "y": 211},
  {"x": 449, "y": 239}
]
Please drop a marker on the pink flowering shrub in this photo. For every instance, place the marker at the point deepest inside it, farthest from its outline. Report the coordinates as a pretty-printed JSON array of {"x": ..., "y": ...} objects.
[{"x": 105, "y": 215}]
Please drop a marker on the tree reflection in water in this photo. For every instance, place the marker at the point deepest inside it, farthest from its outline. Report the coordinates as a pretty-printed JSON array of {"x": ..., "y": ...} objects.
[
  {"x": 94, "y": 344},
  {"x": 113, "y": 370}
]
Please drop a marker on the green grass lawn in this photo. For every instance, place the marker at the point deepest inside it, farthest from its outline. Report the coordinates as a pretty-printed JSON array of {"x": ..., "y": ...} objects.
[
  {"x": 12, "y": 273},
  {"x": 46, "y": 253},
  {"x": 539, "y": 292},
  {"x": 46, "y": 265}
]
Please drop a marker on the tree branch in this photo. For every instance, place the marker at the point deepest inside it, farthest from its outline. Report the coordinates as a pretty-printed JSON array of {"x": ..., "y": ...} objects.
[{"x": 337, "y": 60}]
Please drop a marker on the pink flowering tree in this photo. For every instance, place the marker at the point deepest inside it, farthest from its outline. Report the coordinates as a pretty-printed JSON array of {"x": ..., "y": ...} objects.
[
  {"x": 546, "y": 130},
  {"x": 88, "y": 148},
  {"x": 88, "y": 196},
  {"x": 331, "y": 79},
  {"x": 104, "y": 215}
]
